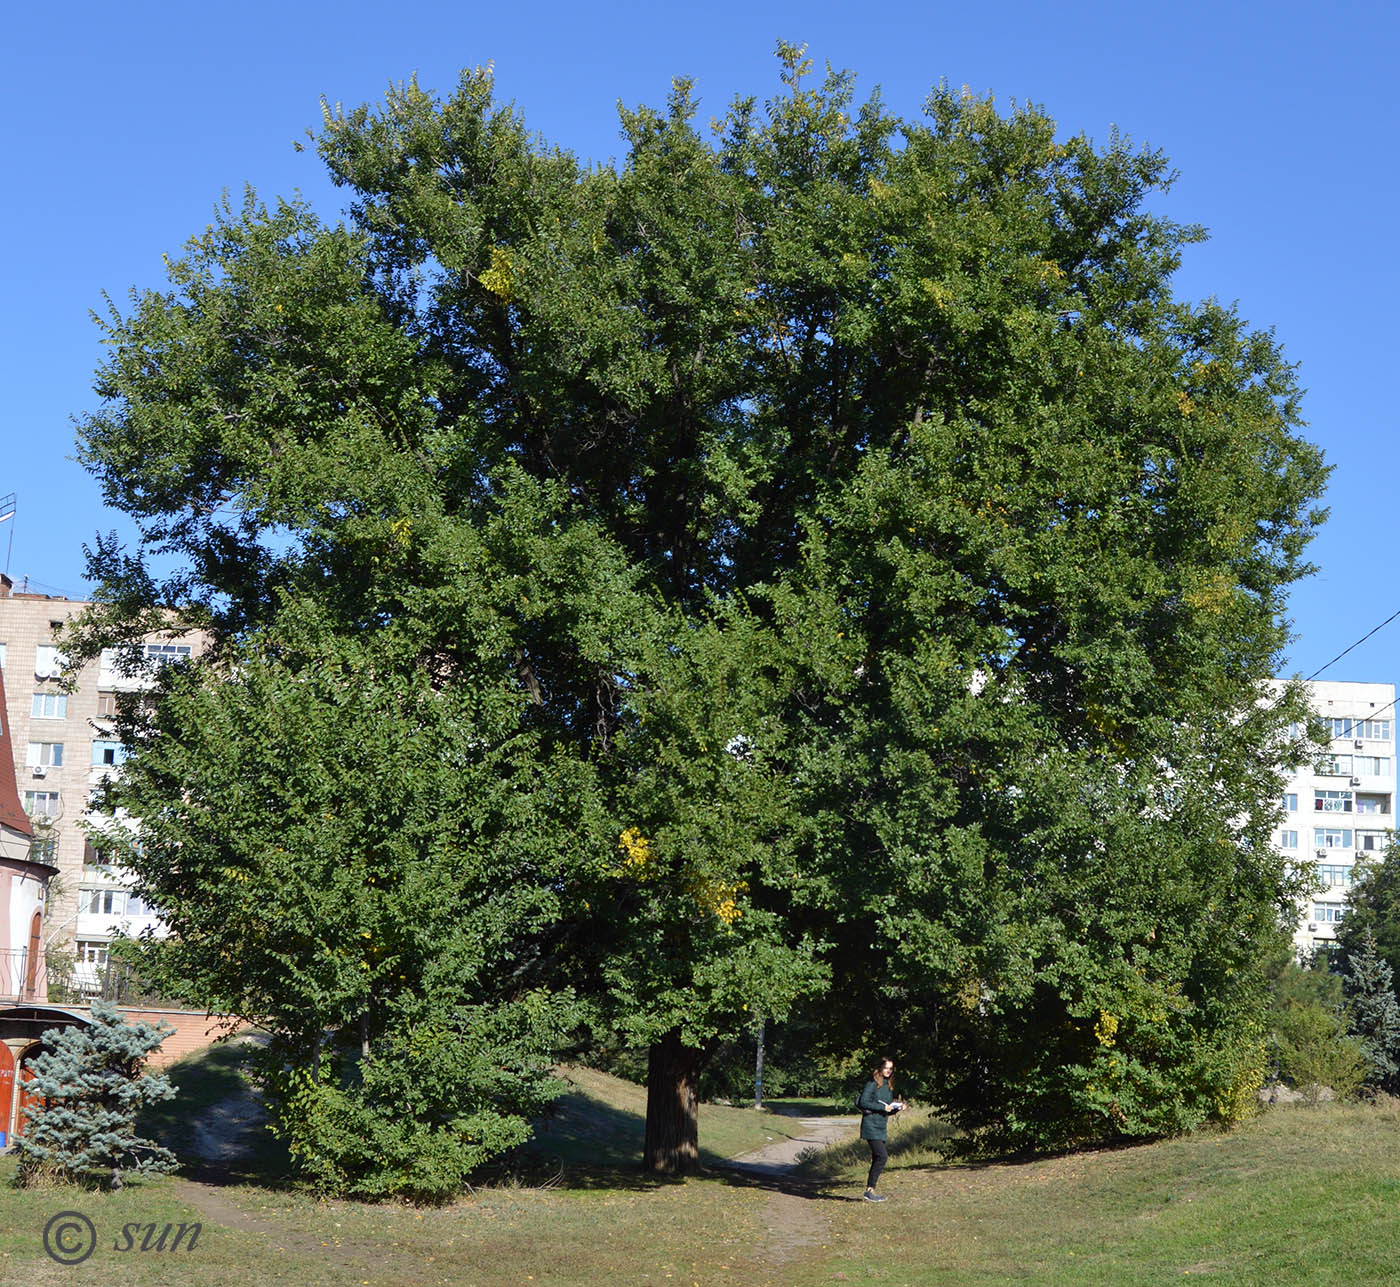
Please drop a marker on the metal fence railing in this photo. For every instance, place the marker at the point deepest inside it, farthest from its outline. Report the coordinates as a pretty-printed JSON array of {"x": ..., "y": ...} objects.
[{"x": 17, "y": 981}]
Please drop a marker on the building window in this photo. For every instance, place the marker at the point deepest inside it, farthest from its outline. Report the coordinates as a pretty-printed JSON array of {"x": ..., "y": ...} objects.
[
  {"x": 43, "y": 850},
  {"x": 40, "y": 804},
  {"x": 1377, "y": 730},
  {"x": 49, "y": 754},
  {"x": 102, "y": 902},
  {"x": 109, "y": 753},
  {"x": 1372, "y": 842},
  {"x": 1332, "y": 801},
  {"x": 96, "y": 862},
  {"x": 1332, "y": 837},
  {"x": 1288, "y": 839},
  {"x": 162, "y": 654},
  {"x": 138, "y": 906},
  {"x": 1376, "y": 766},
  {"x": 1334, "y": 766},
  {"x": 1327, "y": 913},
  {"x": 48, "y": 662},
  {"x": 2, "y": 656},
  {"x": 49, "y": 706},
  {"x": 91, "y": 952},
  {"x": 1373, "y": 804},
  {"x": 1290, "y": 802},
  {"x": 1335, "y": 873},
  {"x": 1335, "y": 727},
  {"x": 106, "y": 705}
]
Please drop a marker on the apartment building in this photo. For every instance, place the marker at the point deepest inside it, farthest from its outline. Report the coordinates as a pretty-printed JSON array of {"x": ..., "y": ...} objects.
[
  {"x": 64, "y": 743},
  {"x": 1342, "y": 808}
]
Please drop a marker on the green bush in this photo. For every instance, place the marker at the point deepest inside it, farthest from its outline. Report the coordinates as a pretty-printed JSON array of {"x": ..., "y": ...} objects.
[
  {"x": 433, "y": 1102},
  {"x": 1314, "y": 1052}
]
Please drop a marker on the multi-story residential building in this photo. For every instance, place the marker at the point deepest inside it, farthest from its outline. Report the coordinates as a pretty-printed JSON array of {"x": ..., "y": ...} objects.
[
  {"x": 64, "y": 743},
  {"x": 1341, "y": 809}
]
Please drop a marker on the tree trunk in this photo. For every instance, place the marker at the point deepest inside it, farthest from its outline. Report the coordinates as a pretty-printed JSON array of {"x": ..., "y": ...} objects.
[
  {"x": 672, "y": 1143},
  {"x": 758, "y": 1069}
]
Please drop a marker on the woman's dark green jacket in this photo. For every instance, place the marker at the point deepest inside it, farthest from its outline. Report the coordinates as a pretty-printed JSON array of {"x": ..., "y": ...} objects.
[{"x": 873, "y": 1115}]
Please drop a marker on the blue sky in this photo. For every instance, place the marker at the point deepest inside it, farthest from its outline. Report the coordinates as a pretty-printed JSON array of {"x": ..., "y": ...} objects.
[{"x": 125, "y": 122}]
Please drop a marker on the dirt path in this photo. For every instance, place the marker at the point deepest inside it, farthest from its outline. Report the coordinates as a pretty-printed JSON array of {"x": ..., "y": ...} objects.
[
  {"x": 779, "y": 1157},
  {"x": 793, "y": 1217}
]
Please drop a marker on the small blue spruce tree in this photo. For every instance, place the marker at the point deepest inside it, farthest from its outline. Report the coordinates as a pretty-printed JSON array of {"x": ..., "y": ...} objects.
[
  {"x": 88, "y": 1088},
  {"x": 1375, "y": 1011}
]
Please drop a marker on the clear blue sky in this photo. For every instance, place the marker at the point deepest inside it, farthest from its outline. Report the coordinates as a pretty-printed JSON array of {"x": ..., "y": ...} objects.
[{"x": 124, "y": 122}]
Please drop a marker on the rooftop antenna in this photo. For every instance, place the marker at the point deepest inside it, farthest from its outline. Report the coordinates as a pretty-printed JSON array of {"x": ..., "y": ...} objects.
[{"x": 7, "y": 512}]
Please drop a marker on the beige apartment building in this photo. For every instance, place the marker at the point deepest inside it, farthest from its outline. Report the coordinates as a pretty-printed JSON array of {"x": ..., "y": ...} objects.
[{"x": 64, "y": 743}]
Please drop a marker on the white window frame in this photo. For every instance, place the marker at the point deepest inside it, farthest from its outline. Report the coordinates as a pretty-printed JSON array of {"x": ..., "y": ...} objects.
[
  {"x": 1327, "y": 801},
  {"x": 91, "y": 902},
  {"x": 1323, "y": 837},
  {"x": 31, "y": 799},
  {"x": 47, "y": 754}
]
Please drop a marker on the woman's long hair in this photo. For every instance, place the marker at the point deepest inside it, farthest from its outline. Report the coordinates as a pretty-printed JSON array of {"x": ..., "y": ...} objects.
[{"x": 878, "y": 1075}]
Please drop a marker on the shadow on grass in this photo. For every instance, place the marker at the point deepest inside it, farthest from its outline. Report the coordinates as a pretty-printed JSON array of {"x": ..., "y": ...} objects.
[
  {"x": 213, "y": 1105},
  {"x": 809, "y": 1107}
]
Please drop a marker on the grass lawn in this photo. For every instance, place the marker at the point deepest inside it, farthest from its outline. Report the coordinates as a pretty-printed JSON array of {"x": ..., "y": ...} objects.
[{"x": 1300, "y": 1195}]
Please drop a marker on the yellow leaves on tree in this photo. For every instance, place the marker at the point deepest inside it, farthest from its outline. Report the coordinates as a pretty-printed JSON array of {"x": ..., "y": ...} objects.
[
  {"x": 499, "y": 278},
  {"x": 712, "y": 895},
  {"x": 639, "y": 859}
]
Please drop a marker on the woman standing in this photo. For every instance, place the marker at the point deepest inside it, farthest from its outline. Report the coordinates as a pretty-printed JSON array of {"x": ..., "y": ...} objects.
[{"x": 877, "y": 1106}]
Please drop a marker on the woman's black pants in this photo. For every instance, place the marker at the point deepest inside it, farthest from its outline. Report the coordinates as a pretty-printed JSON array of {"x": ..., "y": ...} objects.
[{"x": 879, "y": 1155}]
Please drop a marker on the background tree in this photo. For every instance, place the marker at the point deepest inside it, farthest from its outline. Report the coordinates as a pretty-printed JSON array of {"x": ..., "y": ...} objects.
[
  {"x": 845, "y": 508},
  {"x": 1373, "y": 910},
  {"x": 88, "y": 1088},
  {"x": 1375, "y": 1012},
  {"x": 1310, "y": 1018}
]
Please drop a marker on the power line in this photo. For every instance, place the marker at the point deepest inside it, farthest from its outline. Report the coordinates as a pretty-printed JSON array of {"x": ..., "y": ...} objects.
[{"x": 1357, "y": 644}]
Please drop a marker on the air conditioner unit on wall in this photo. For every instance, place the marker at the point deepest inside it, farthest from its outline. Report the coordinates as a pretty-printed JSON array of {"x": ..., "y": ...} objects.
[
  {"x": 1356, "y": 781},
  {"x": 1321, "y": 853},
  {"x": 40, "y": 770},
  {"x": 1312, "y": 927},
  {"x": 1358, "y": 743}
]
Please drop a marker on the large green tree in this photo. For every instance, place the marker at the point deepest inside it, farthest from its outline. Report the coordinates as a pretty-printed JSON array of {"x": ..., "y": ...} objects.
[{"x": 839, "y": 518}]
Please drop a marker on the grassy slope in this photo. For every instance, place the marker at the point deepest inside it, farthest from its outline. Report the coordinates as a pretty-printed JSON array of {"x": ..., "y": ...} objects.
[
  {"x": 1298, "y": 1196},
  {"x": 600, "y": 1122}
]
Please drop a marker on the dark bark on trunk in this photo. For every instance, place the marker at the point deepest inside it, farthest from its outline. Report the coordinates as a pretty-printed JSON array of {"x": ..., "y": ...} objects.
[
  {"x": 672, "y": 1143},
  {"x": 758, "y": 1069}
]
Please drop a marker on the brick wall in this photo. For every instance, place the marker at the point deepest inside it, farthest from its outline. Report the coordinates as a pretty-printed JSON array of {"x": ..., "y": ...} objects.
[{"x": 194, "y": 1030}]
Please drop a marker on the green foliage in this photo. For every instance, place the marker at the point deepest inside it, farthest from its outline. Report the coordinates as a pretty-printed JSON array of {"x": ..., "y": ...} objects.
[
  {"x": 88, "y": 1089},
  {"x": 424, "y": 1110},
  {"x": 1373, "y": 910},
  {"x": 1310, "y": 1043},
  {"x": 824, "y": 561},
  {"x": 356, "y": 855},
  {"x": 1375, "y": 1012}
]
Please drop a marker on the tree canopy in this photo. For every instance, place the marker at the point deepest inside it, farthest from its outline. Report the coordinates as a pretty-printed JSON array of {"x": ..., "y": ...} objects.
[{"x": 819, "y": 560}]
